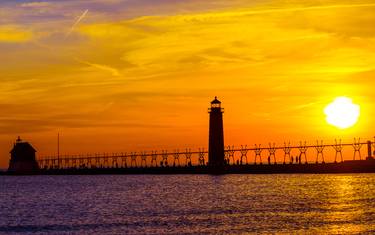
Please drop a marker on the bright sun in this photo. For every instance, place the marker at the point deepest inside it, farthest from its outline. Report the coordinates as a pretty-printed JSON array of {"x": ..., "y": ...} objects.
[{"x": 342, "y": 113}]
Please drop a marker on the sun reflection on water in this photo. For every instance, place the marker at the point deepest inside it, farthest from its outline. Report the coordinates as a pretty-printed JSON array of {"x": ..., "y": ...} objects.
[{"x": 233, "y": 204}]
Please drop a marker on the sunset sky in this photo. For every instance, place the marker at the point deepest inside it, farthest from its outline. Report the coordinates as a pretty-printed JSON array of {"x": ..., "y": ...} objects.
[{"x": 129, "y": 75}]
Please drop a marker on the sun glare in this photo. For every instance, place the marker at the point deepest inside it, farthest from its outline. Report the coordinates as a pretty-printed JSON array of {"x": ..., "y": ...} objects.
[{"x": 342, "y": 113}]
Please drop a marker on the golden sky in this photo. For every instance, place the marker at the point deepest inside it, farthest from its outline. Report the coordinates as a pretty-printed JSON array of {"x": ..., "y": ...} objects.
[{"x": 130, "y": 75}]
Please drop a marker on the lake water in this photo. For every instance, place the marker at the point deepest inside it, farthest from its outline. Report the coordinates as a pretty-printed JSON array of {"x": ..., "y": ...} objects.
[{"x": 188, "y": 204}]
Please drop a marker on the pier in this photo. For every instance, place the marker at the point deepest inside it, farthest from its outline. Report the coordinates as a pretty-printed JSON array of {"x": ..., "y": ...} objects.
[
  {"x": 276, "y": 159},
  {"x": 217, "y": 159}
]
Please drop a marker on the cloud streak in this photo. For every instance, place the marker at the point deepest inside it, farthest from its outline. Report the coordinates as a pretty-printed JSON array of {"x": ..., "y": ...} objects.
[
  {"x": 106, "y": 68},
  {"x": 287, "y": 9},
  {"x": 14, "y": 34},
  {"x": 275, "y": 59},
  {"x": 35, "y": 4}
]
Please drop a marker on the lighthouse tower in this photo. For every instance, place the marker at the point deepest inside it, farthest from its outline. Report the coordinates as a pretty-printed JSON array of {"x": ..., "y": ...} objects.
[{"x": 216, "y": 135}]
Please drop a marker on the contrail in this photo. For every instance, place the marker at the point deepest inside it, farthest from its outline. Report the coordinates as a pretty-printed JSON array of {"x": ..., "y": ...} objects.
[{"x": 76, "y": 23}]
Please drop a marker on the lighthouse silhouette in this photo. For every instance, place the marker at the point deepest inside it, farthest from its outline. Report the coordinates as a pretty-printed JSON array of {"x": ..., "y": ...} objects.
[{"x": 216, "y": 135}]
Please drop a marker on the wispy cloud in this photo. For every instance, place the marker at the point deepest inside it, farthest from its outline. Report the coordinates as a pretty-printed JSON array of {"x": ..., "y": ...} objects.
[
  {"x": 115, "y": 72},
  {"x": 270, "y": 61},
  {"x": 269, "y": 10},
  {"x": 35, "y": 4},
  {"x": 14, "y": 34}
]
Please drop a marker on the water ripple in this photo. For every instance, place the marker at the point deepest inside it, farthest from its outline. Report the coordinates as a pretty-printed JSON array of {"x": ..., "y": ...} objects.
[{"x": 188, "y": 204}]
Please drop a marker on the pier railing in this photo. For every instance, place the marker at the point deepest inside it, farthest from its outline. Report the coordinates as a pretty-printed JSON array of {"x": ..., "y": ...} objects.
[{"x": 301, "y": 153}]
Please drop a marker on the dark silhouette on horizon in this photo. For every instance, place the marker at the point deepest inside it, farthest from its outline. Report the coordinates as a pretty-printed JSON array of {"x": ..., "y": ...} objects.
[
  {"x": 220, "y": 160},
  {"x": 216, "y": 135},
  {"x": 22, "y": 158}
]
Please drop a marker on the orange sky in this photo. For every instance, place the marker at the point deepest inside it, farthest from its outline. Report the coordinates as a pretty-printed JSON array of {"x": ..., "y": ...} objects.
[{"x": 113, "y": 75}]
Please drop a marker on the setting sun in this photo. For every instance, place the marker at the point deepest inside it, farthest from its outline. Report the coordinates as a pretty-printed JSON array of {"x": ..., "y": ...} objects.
[{"x": 342, "y": 113}]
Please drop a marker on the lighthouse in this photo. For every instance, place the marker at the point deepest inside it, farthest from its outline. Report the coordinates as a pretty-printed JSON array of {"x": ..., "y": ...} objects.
[{"x": 216, "y": 135}]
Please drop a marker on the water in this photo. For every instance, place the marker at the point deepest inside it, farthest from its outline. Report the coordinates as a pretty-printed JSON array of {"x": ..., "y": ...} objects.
[{"x": 188, "y": 204}]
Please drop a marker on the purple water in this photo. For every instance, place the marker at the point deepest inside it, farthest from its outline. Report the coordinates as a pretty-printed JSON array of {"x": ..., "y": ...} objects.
[{"x": 188, "y": 204}]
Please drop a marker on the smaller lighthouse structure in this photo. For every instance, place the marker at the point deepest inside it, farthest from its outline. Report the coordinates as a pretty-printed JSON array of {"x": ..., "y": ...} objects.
[
  {"x": 216, "y": 135},
  {"x": 22, "y": 158}
]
